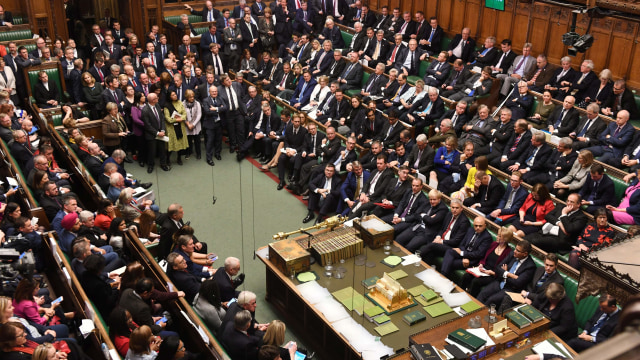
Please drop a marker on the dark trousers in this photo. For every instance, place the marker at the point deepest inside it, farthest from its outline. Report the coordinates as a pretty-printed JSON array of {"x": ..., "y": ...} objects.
[
  {"x": 414, "y": 240},
  {"x": 299, "y": 162},
  {"x": 492, "y": 294},
  {"x": 324, "y": 206},
  {"x": 214, "y": 140},
  {"x": 194, "y": 145},
  {"x": 548, "y": 243},
  {"x": 283, "y": 161},
  {"x": 579, "y": 345},
  {"x": 249, "y": 143},
  {"x": 156, "y": 147},
  {"x": 141, "y": 147},
  {"x": 473, "y": 285},
  {"x": 432, "y": 250},
  {"x": 235, "y": 128}
]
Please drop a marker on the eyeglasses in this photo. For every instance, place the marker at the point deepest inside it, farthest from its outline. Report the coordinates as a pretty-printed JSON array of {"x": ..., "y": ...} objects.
[{"x": 24, "y": 334}]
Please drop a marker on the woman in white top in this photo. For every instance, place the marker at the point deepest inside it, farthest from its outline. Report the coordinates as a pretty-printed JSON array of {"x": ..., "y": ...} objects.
[
  {"x": 7, "y": 80},
  {"x": 411, "y": 96},
  {"x": 315, "y": 49},
  {"x": 194, "y": 114},
  {"x": 318, "y": 95}
]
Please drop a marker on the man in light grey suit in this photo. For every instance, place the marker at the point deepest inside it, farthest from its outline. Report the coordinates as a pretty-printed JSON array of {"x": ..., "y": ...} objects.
[{"x": 522, "y": 68}]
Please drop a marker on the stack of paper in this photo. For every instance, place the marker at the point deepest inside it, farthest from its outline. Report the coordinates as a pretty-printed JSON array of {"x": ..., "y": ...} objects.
[
  {"x": 438, "y": 309},
  {"x": 398, "y": 274},
  {"x": 456, "y": 299},
  {"x": 313, "y": 292},
  {"x": 332, "y": 310},
  {"x": 386, "y": 329}
]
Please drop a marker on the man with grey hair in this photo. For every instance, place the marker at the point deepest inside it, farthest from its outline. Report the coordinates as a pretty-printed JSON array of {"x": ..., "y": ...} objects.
[
  {"x": 588, "y": 129},
  {"x": 583, "y": 83},
  {"x": 94, "y": 161},
  {"x": 246, "y": 302},
  {"x": 421, "y": 157},
  {"x": 116, "y": 185},
  {"x": 119, "y": 157},
  {"x": 21, "y": 148},
  {"x": 238, "y": 342},
  {"x": 444, "y": 132},
  {"x": 523, "y": 68},
  {"x": 224, "y": 276},
  {"x": 188, "y": 283},
  {"x": 561, "y": 78}
]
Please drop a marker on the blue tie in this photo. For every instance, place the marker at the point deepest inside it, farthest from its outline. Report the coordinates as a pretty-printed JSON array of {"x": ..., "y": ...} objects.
[
  {"x": 304, "y": 86},
  {"x": 596, "y": 328},
  {"x": 512, "y": 270}
]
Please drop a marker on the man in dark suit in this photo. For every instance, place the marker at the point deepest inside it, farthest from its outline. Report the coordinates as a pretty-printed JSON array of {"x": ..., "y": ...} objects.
[
  {"x": 501, "y": 134},
  {"x": 212, "y": 106},
  {"x": 375, "y": 83},
  {"x": 598, "y": 191},
  {"x": 331, "y": 32},
  {"x": 208, "y": 13},
  {"x": 302, "y": 95},
  {"x": 352, "y": 187},
  {"x": 457, "y": 78},
  {"x": 543, "y": 276},
  {"x": 321, "y": 62},
  {"x": 486, "y": 55},
  {"x": 257, "y": 8},
  {"x": 471, "y": 250},
  {"x": 477, "y": 130},
  {"x": 564, "y": 118},
  {"x": 382, "y": 187},
  {"x": 408, "y": 62},
  {"x": 258, "y": 130},
  {"x": 406, "y": 27},
  {"x": 377, "y": 50},
  {"x": 425, "y": 228},
  {"x": 511, "y": 201},
  {"x": 250, "y": 35},
  {"x": 395, "y": 52},
  {"x": 304, "y": 19},
  {"x": 293, "y": 143},
  {"x": 154, "y": 131},
  {"x": 600, "y": 327},
  {"x": 226, "y": 283},
  {"x": 562, "y": 77},
  {"x": 324, "y": 193},
  {"x": 114, "y": 50},
  {"x": 358, "y": 41},
  {"x": 421, "y": 157},
  {"x": 330, "y": 148},
  {"x": 186, "y": 48},
  {"x": 504, "y": 59},
  {"x": 233, "y": 112},
  {"x": 351, "y": 77},
  {"x": 424, "y": 112},
  {"x": 390, "y": 134},
  {"x": 534, "y": 163},
  {"x": 45, "y": 91},
  {"x": 135, "y": 301},
  {"x": 154, "y": 57},
  {"x": 621, "y": 99},
  {"x": 520, "y": 102},
  {"x": 588, "y": 129},
  {"x": 178, "y": 274},
  {"x": 408, "y": 210},
  {"x": 6, "y": 19},
  {"x": 564, "y": 225},
  {"x": 238, "y": 343},
  {"x": 438, "y": 71},
  {"x": 614, "y": 139},
  {"x": 518, "y": 143},
  {"x": 432, "y": 40},
  {"x": 232, "y": 37},
  {"x": 311, "y": 150},
  {"x": 112, "y": 92},
  {"x": 210, "y": 37},
  {"x": 450, "y": 235},
  {"x": 336, "y": 67},
  {"x": 21, "y": 148},
  {"x": 513, "y": 274},
  {"x": 462, "y": 46},
  {"x": 384, "y": 20},
  {"x": 367, "y": 18},
  {"x": 488, "y": 194}
]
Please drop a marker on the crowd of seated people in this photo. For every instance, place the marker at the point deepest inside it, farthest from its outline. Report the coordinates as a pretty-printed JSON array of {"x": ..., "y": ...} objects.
[{"x": 153, "y": 100}]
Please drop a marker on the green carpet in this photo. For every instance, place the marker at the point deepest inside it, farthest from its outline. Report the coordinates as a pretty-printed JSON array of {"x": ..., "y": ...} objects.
[{"x": 248, "y": 212}]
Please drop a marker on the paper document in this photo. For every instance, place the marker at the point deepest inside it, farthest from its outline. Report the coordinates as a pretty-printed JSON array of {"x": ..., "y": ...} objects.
[
  {"x": 475, "y": 271},
  {"x": 515, "y": 297}
]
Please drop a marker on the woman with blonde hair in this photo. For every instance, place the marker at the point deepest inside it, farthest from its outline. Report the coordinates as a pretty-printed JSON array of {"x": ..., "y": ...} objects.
[
  {"x": 576, "y": 177},
  {"x": 274, "y": 336}
]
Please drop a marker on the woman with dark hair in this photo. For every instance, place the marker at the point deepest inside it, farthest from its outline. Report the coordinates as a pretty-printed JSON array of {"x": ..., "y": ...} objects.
[
  {"x": 165, "y": 84},
  {"x": 137, "y": 126},
  {"x": 172, "y": 348},
  {"x": 11, "y": 213},
  {"x": 598, "y": 233},
  {"x": 40, "y": 178},
  {"x": 135, "y": 272},
  {"x": 14, "y": 344},
  {"x": 105, "y": 214},
  {"x": 115, "y": 234},
  {"x": 175, "y": 115},
  {"x": 536, "y": 206},
  {"x": 120, "y": 327},
  {"x": 26, "y": 306},
  {"x": 208, "y": 306},
  {"x": 92, "y": 92},
  {"x": 350, "y": 125},
  {"x": 147, "y": 225},
  {"x": 559, "y": 309},
  {"x": 248, "y": 65},
  {"x": 97, "y": 288}
]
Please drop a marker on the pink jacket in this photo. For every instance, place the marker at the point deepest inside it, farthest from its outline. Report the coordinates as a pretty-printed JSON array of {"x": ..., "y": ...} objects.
[{"x": 28, "y": 309}]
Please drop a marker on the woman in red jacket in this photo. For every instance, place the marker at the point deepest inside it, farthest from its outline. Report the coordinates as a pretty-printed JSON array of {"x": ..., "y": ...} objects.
[{"x": 537, "y": 205}]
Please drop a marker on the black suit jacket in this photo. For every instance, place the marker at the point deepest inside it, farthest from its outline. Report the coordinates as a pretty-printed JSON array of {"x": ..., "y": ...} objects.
[
  {"x": 226, "y": 286},
  {"x": 375, "y": 84},
  {"x": 204, "y": 13},
  {"x": 381, "y": 189},
  {"x": 294, "y": 141},
  {"x": 569, "y": 122},
  {"x": 401, "y": 58},
  {"x": 569, "y": 76},
  {"x": 431, "y": 74},
  {"x": 467, "y": 50},
  {"x": 21, "y": 153},
  {"x": 107, "y": 97},
  {"x": 537, "y": 293},
  {"x": 186, "y": 282},
  {"x": 475, "y": 251},
  {"x": 140, "y": 310},
  {"x": 222, "y": 95},
  {"x": 461, "y": 79},
  {"x": 506, "y": 62},
  {"x": 502, "y": 135},
  {"x": 487, "y": 60},
  {"x": 458, "y": 230},
  {"x": 540, "y": 161},
  {"x": 330, "y": 149},
  {"x": 525, "y": 273},
  {"x": 574, "y": 224},
  {"x": 384, "y": 49},
  {"x": 308, "y": 143},
  {"x": 390, "y": 138},
  {"x": 239, "y": 345},
  {"x": 436, "y": 40},
  {"x": 627, "y": 103},
  {"x": 594, "y": 130},
  {"x": 437, "y": 109},
  {"x": 523, "y": 145},
  {"x": 335, "y": 69},
  {"x": 152, "y": 125},
  {"x": 425, "y": 164},
  {"x": 607, "y": 329},
  {"x": 460, "y": 120},
  {"x": 605, "y": 193},
  {"x": 413, "y": 213},
  {"x": 42, "y": 95},
  {"x": 100, "y": 292},
  {"x": 488, "y": 196}
]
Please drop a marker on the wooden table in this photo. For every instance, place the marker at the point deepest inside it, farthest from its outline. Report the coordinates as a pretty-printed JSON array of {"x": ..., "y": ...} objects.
[{"x": 317, "y": 332}]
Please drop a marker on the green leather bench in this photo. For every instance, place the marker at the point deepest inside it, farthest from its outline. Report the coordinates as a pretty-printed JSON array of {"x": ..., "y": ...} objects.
[
  {"x": 365, "y": 78},
  {"x": 424, "y": 65},
  {"x": 346, "y": 37},
  {"x": 57, "y": 118},
  {"x": 54, "y": 74},
  {"x": 16, "y": 35},
  {"x": 201, "y": 30},
  {"x": 24, "y": 178},
  {"x": 175, "y": 19}
]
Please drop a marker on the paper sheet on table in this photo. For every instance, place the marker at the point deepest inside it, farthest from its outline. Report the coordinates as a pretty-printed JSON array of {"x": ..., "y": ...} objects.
[
  {"x": 546, "y": 347},
  {"x": 398, "y": 274},
  {"x": 482, "y": 334},
  {"x": 434, "y": 280},
  {"x": 313, "y": 292},
  {"x": 456, "y": 299},
  {"x": 332, "y": 310},
  {"x": 86, "y": 327},
  {"x": 410, "y": 259},
  {"x": 386, "y": 329},
  {"x": 377, "y": 225},
  {"x": 393, "y": 260},
  {"x": 476, "y": 271},
  {"x": 515, "y": 297}
]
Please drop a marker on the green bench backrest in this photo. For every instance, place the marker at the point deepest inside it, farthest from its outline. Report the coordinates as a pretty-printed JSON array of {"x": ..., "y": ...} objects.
[
  {"x": 201, "y": 30},
  {"x": 24, "y": 178},
  {"x": 175, "y": 19},
  {"x": 445, "y": 43},
  {"x": 346, "y": 37},
  {"x": 57, "y": 118},
  {"x": 53, "y": 75},
  {"x": 19, "y": 20},
  {"x": 16, "y": 35},
  {"x": 424, "y": 65},
  {"x": 620, "y": 187}
]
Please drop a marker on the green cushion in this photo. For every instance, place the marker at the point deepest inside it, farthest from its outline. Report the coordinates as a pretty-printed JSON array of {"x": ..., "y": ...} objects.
[
  {"x": 347, "y": 38},
  {"x": 365, "y": 78},
  {"x": 445, "y": 43},
  {"x": 175, "y": 19},
  {"x": 15, "y": 35},
  {"x": 534, "y": 107},
  {"x": 424, "y": 65},
  {"x": 24, "y": 178},
  {"x": 19, "y": 20},
  {"x": 585, "y": 309},
  {"x": 619, "y": 186},
  {"x": 201, "y": 30}
]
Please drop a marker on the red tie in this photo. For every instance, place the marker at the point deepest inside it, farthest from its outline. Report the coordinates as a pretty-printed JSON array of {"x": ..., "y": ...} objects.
[
  {"x": 101, "y": 75},
  {"x": 188, "y": 49},
  {"x": 393, "y": 56},
  {"x": 448, "y": 227}
]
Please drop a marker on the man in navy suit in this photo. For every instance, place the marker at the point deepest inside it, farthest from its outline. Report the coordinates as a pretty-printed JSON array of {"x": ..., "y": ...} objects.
[
  {"x": 408, "y": 62},
  {"x": 321, "y": 62},
  {"x": 351, "y": 77},
  {"x": 324, "y": 192},
  {"x": 114, "y": 50},
  {"x": 154, "y": 57},
  {"x": 513, "y": 198},
  {"x": 598, "y": 191},
  {"x": 113, "y": 93},
  {"x": 535, "y": 160},
  {"x": 187, "y": 48},
  {"x": 518, "y": 143},
  {"x": 303, "y": 21},
  {"x": 513, "y": 274},
  {"x": 427, "y": 225},
  {"x": 488, "y": 195},
  {"x": 234, "y": 111},
  {"x": 302, "y": 94},
  {"x": 520, "y": 102},
  {"x": 600, "y": 327},
  {"x": 352, "y": 187},
  {"x": 208, "y": 13},
  {"x": 331, "y": 32},
  {"x": 438, "y": 71},
  {"x": 408, "y": 210},
  {"x": 614, "y": 139},
  {"x": 453, "y": 230},
  {"x": 431, "y": 43},
  {"x": 210, "y": 37},
  {"x": 293, "y": 143},
  {"x": 471, "y": 250}
]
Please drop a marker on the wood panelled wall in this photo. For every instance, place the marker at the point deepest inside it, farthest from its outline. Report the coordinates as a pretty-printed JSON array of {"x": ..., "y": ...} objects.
[{"x": 616, "y": 46}]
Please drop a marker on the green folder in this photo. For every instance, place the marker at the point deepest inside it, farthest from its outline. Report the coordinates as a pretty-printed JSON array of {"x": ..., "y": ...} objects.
[
  {"x": 344, "y": 294},
  {"x": 306, "y": 276},
  {"x": 386, "y": 329},
  {"x": 429, "y": 294},
  {"x": 392, "y": 260},
  {"x": 417, "y": 290},
  {"x": 438, "y": 309},
  {"x": 381, "y": 319},
  {"x": 421, "y": 300},
  {"x": 373, "y": 311},
  {"x": 435, "y": 300},
  {"x": 470, "y": 307},
  {"x": 398, "y": 274}
]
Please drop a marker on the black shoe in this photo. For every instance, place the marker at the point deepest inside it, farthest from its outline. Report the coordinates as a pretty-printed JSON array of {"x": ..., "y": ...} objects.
[
  {"x": 149, "y": 170},
  {"x": 308, "y": 218},
  {"x": 218, "y": 157},
  {"x": 198, "y": 157},
  {"x": 259, "y": 156},
  {"x": 128, "y": 159},
  {"x": 318, "y": 220},
  {"x": 165, "y": 167},
  {"x": 232, "y": 150},
  {"x": 292, "y": 185},
  {"x": 305, "y": 193},
  {"x": 281, "y": 185},
  {"x": 290, "y": 178},
  {"x": 239, "y": 157},
  {"x": 141, "y": 163},
  {"x": 210, "y": 162},
  {"x": 264, "y": 161},
  {"x": 146, "y": 185},
  {"x": 179, "y": 161}
]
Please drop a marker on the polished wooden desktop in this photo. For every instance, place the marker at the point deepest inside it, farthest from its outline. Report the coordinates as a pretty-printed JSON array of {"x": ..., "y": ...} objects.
[{"x": 317, "y": 332}]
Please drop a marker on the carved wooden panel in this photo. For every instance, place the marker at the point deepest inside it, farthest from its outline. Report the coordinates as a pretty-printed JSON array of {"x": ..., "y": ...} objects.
[
  {"x": 457, "y": 17},
  {"x": 633, "y": 73},
  {"x": 488, "y": 24},
  {"x": 444, "y": 14},
  {"x": 431, "y": 9},
  {"x": 471, "y": 17},
  {"x": 503, "y": 25},
  {"x": 619, "y": 55},
  {"x": 538, "y": 35},
  {"x": 394, "y": 4},
  {"x": 519, "y": 32},
  {"x": 420, "y": 6}
]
